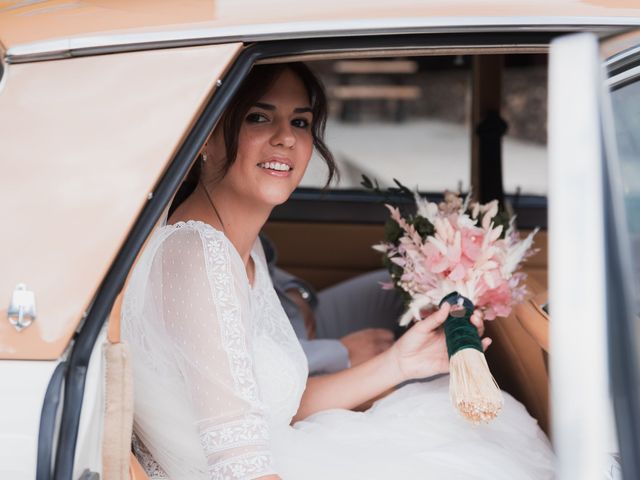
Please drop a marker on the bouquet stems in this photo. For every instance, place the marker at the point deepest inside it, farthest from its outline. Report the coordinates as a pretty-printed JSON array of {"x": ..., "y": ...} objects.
[{"x": 473, "y": 390}]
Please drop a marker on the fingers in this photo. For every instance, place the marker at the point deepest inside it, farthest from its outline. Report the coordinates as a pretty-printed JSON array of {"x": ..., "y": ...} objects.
[
  {"x": 485, "y": 343},
  {"x": 436, "y": 319},
  {"x": 477, "y": 320}
]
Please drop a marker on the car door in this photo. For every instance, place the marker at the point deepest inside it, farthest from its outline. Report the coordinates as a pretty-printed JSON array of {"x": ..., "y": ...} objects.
[
  {"x": 83, "y": 142},
  {"x": 594, "y": 139},
  {"x": 622, "y": 202}
]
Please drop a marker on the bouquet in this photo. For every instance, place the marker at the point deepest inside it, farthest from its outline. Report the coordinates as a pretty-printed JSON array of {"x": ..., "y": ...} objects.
[{"x": 465, "y": 254}]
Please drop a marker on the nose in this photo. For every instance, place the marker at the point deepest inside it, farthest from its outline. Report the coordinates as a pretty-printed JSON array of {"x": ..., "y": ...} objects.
[{"x": 283, "y": 135}]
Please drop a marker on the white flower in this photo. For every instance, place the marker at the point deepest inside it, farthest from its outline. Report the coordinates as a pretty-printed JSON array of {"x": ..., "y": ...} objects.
[{"x": 425, "y": 208}]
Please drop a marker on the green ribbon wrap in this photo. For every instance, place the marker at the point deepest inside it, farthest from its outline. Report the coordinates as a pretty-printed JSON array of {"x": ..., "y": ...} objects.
[{"x": 459, "y": 332}]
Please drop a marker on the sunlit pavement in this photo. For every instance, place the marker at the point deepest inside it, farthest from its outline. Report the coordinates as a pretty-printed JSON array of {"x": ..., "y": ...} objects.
[{"x": 433, "y": 155}]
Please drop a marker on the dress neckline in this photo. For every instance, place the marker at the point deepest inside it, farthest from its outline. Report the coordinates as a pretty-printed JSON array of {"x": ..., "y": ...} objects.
[{"x": 253, "y": 254}]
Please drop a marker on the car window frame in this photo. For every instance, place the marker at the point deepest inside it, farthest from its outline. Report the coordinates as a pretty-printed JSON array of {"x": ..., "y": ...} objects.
[
  {"x": 624, "y": 348},
  {"x": 362, "y": 207},
  {"x": 177, "y": 169},
  {"x": 579, "y": 367}
]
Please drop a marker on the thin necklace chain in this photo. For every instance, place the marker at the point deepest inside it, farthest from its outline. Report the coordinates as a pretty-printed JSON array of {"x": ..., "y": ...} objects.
[
  {"x": 215, "y": 210},
  {"x": 251, "y": 265}
]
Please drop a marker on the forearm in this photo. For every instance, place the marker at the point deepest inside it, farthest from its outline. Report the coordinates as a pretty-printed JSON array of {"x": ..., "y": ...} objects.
[{"x": 352, "y": 387}]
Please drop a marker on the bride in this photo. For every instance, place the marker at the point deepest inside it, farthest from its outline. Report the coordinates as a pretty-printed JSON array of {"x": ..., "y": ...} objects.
[{"x": 222, "y": 389}]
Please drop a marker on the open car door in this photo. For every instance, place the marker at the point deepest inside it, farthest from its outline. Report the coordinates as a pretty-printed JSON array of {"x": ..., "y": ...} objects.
[
  {"x": 594, "y": 226},
  {"x": 84, "y": 143}
]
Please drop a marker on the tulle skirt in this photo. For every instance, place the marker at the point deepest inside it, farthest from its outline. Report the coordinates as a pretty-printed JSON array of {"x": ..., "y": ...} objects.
[{"x": 414, "y": 433}]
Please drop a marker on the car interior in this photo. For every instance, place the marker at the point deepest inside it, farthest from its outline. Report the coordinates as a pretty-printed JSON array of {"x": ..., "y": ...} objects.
[
  {"x": 469, "y": 123},
  {"x": 339, "y": 225}
]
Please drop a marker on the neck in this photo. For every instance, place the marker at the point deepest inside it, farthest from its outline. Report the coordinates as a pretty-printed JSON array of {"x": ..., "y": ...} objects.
[{"x": 240, "y": 219}]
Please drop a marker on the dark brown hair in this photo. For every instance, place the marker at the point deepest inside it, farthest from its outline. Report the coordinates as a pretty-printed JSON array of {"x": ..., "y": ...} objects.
[{"x": 257, "y": 83}]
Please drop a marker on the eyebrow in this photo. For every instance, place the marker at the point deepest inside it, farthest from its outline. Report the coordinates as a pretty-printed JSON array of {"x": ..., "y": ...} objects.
[{"x": 268, "y": 106}]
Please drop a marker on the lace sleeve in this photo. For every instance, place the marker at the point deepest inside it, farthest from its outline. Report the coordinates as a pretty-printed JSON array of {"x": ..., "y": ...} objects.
[{"x": 205, "y": 310}]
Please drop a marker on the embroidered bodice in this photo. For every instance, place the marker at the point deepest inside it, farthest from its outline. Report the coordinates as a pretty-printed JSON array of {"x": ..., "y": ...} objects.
[{"x": 217, "y": 366}]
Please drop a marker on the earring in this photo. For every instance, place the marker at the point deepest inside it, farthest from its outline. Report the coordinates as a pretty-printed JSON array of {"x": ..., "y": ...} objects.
[{"x": 204, "y": 156}]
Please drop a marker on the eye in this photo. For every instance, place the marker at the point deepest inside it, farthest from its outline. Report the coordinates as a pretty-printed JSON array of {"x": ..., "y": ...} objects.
[
  {"x": 257, "y": 117},
  {"x": 300, "y": 123}
]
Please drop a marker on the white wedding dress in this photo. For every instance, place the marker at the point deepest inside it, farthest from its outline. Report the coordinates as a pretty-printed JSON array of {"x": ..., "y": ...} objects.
[{"x": 219, "y": 375}]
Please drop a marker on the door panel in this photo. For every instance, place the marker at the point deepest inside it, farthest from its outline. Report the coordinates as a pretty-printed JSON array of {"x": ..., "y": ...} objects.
[
  {"x": 22, "y": 390},
  {"x": 83, "y": 142},
  {"x": 582, "y": 424},
  {"x": 622, "y": 135}
]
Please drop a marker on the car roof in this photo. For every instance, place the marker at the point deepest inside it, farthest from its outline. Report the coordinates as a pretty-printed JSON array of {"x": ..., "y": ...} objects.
[{"x": 30, "y": 29}]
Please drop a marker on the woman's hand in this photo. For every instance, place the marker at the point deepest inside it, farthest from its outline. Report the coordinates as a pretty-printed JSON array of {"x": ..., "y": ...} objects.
[{"x": 422, "y": 351}]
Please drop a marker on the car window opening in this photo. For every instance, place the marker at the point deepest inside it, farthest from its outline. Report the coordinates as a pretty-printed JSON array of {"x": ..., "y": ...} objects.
[{"x": 411, "y": 118}]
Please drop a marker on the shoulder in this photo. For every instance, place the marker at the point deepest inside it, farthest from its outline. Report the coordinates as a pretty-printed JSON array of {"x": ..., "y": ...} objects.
[
  {"x": 190, "y": 237},
  {"x": 185, "y": 247}
]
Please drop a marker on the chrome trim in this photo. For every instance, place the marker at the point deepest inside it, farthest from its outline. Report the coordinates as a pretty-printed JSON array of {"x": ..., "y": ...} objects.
[
  {"x": 581, "y": 404},
  {"x": 22, "y": 308},
  {"x": 93, "y": 44},
  {"x": 475, "y": 49},
  {"x": 618, "y": 57},
  {"x": 624, "y": 77}
]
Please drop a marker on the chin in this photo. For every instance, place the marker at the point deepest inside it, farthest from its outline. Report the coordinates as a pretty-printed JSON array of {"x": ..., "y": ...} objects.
[{"x": 275, "y": 197}]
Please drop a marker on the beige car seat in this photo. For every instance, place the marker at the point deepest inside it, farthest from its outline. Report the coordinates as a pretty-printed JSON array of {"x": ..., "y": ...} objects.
[{"x": 118, "y": 414}]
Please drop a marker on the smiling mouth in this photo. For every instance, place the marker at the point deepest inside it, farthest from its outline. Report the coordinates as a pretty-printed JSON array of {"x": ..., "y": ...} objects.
[{"x": 276, "y": 166}]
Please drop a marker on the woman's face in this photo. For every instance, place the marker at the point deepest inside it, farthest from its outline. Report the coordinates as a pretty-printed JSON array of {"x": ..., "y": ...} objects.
[{"x": 274, "y": 145}]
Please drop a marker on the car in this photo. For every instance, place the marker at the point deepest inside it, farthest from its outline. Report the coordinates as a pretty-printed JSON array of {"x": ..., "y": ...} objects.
[{"x": 104, "y": 107}]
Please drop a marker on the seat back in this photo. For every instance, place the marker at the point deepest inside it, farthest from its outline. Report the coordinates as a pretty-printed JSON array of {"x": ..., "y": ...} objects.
[
  {"x": 118, "y": 415},
  {"x": 136, "y": 472}
]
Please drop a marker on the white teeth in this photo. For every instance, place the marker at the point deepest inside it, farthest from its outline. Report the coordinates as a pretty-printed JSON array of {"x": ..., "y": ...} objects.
[{"x": 275, "y": 166}]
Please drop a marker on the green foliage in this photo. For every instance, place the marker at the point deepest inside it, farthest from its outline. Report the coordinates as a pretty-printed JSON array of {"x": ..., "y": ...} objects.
[
  {"x": 374, "y": 187},
  {"x": 392, "y": 231},
  {"x": 396, "y": 272},
  {"x": 423, "y": 226},
  {"x": 501, "y": 218}
]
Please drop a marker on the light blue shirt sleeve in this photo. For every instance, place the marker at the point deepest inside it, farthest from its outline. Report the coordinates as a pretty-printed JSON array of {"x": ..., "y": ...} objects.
[
  {"x": 325, "y": 355},
  {"x": 285, "y": 281}
]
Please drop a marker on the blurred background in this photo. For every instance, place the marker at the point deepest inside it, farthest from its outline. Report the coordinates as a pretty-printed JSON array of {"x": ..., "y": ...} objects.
[{"x": 410, "y": 119}]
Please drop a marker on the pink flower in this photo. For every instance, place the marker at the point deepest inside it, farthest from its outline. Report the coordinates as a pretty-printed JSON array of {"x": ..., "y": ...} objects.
[
  {"x": 458, "y": 273},
  {"x": 461, "y": 255},
  {"x": 472, "y": 243}
]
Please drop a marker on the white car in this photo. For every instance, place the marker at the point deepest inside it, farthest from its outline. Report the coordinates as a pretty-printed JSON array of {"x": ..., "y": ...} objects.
[{"x": 104, "y": 106}]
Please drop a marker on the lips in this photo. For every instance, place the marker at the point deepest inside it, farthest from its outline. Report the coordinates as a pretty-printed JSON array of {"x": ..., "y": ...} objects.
[{"x": 276, "y": 164}]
